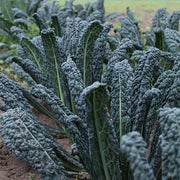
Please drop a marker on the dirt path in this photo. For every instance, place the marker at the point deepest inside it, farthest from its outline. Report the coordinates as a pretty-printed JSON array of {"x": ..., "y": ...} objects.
[{"x": 12, "y": 168}]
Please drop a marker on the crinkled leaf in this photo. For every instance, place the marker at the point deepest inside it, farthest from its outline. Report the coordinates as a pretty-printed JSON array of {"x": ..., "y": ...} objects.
[
  {"x": 147, "y": 113},
  {"x": 129, "y": 30},
  {"x": 4, "y": 107},
  {"x": 12, "y": 95},
  {"x": 131, "y": 16},
  {"x": 30, "y": 68},
  {"x": 33, "y": 53},
  {"x": 120, "y": 95},
  {"x": 21, "y": 22},
  {"x": 30, "y": 142},
  {"x": 87, "y": 39},
  {"x": 150, "y": 38},
  {"x": 102, "y": 139},
  {"x": 55, "y": 59},
  {"x": 160, "y": 21},
  {"x": 118, "y": 55},
  {"x": 58, "y": 108},
  {"x": 142, "y": 82},
  {"x": 169, "y": 85},
  {"x": 40, "y": 22},
  {"x": 170, "y": 142},
  {"x": 134, "y": 147},
  {"x": 56, "y": 24},
  {"x": 15, "y": 95},
  {"x": 97, "y": 55},
  {"x": 18, "y": 69},
  {"x": 19, "y": 13},
  {"x": 172, "y": 40},
  {"x": 75, "y": 82},
  {"x": 174, "y": 20}
]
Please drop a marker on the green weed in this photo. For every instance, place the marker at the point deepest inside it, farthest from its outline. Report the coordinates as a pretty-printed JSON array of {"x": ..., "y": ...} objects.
[{"x": 31, "y": 176}]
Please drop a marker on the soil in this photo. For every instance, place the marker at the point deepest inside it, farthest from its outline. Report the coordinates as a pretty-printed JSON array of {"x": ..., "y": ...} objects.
[
  {"x": 143, "y": 24},
  {"x": 12, "y": 168}
]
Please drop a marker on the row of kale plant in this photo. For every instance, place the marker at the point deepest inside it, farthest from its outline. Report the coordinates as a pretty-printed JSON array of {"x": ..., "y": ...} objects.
[{"x": 117, "y": 97}]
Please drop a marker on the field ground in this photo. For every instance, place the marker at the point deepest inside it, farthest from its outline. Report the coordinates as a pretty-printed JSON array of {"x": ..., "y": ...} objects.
[
  {"x": 11, "y": 168},
  {"x": 136, "y": 5},
  {"x": 143, "y": 10}
]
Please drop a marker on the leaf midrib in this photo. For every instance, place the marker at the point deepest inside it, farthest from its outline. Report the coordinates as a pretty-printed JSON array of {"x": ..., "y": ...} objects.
[
  {"x": 33, "y": 54},
  {"x": 57, "y": 73},
  {"x": 99, "y": 139},
  {"x": 34, "y": 138},
  {"x": 85, "y": 54}
]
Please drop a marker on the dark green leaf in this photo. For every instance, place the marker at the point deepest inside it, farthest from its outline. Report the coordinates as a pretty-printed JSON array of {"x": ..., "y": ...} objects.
[{"x": 103, "y": 143}]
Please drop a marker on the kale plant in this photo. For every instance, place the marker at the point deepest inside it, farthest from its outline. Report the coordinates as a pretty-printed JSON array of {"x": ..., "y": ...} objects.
[
  {"x": 164, "y": 35},
  {"x": 122, "y": 113},
  {"x": 41, "y": 60}
]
